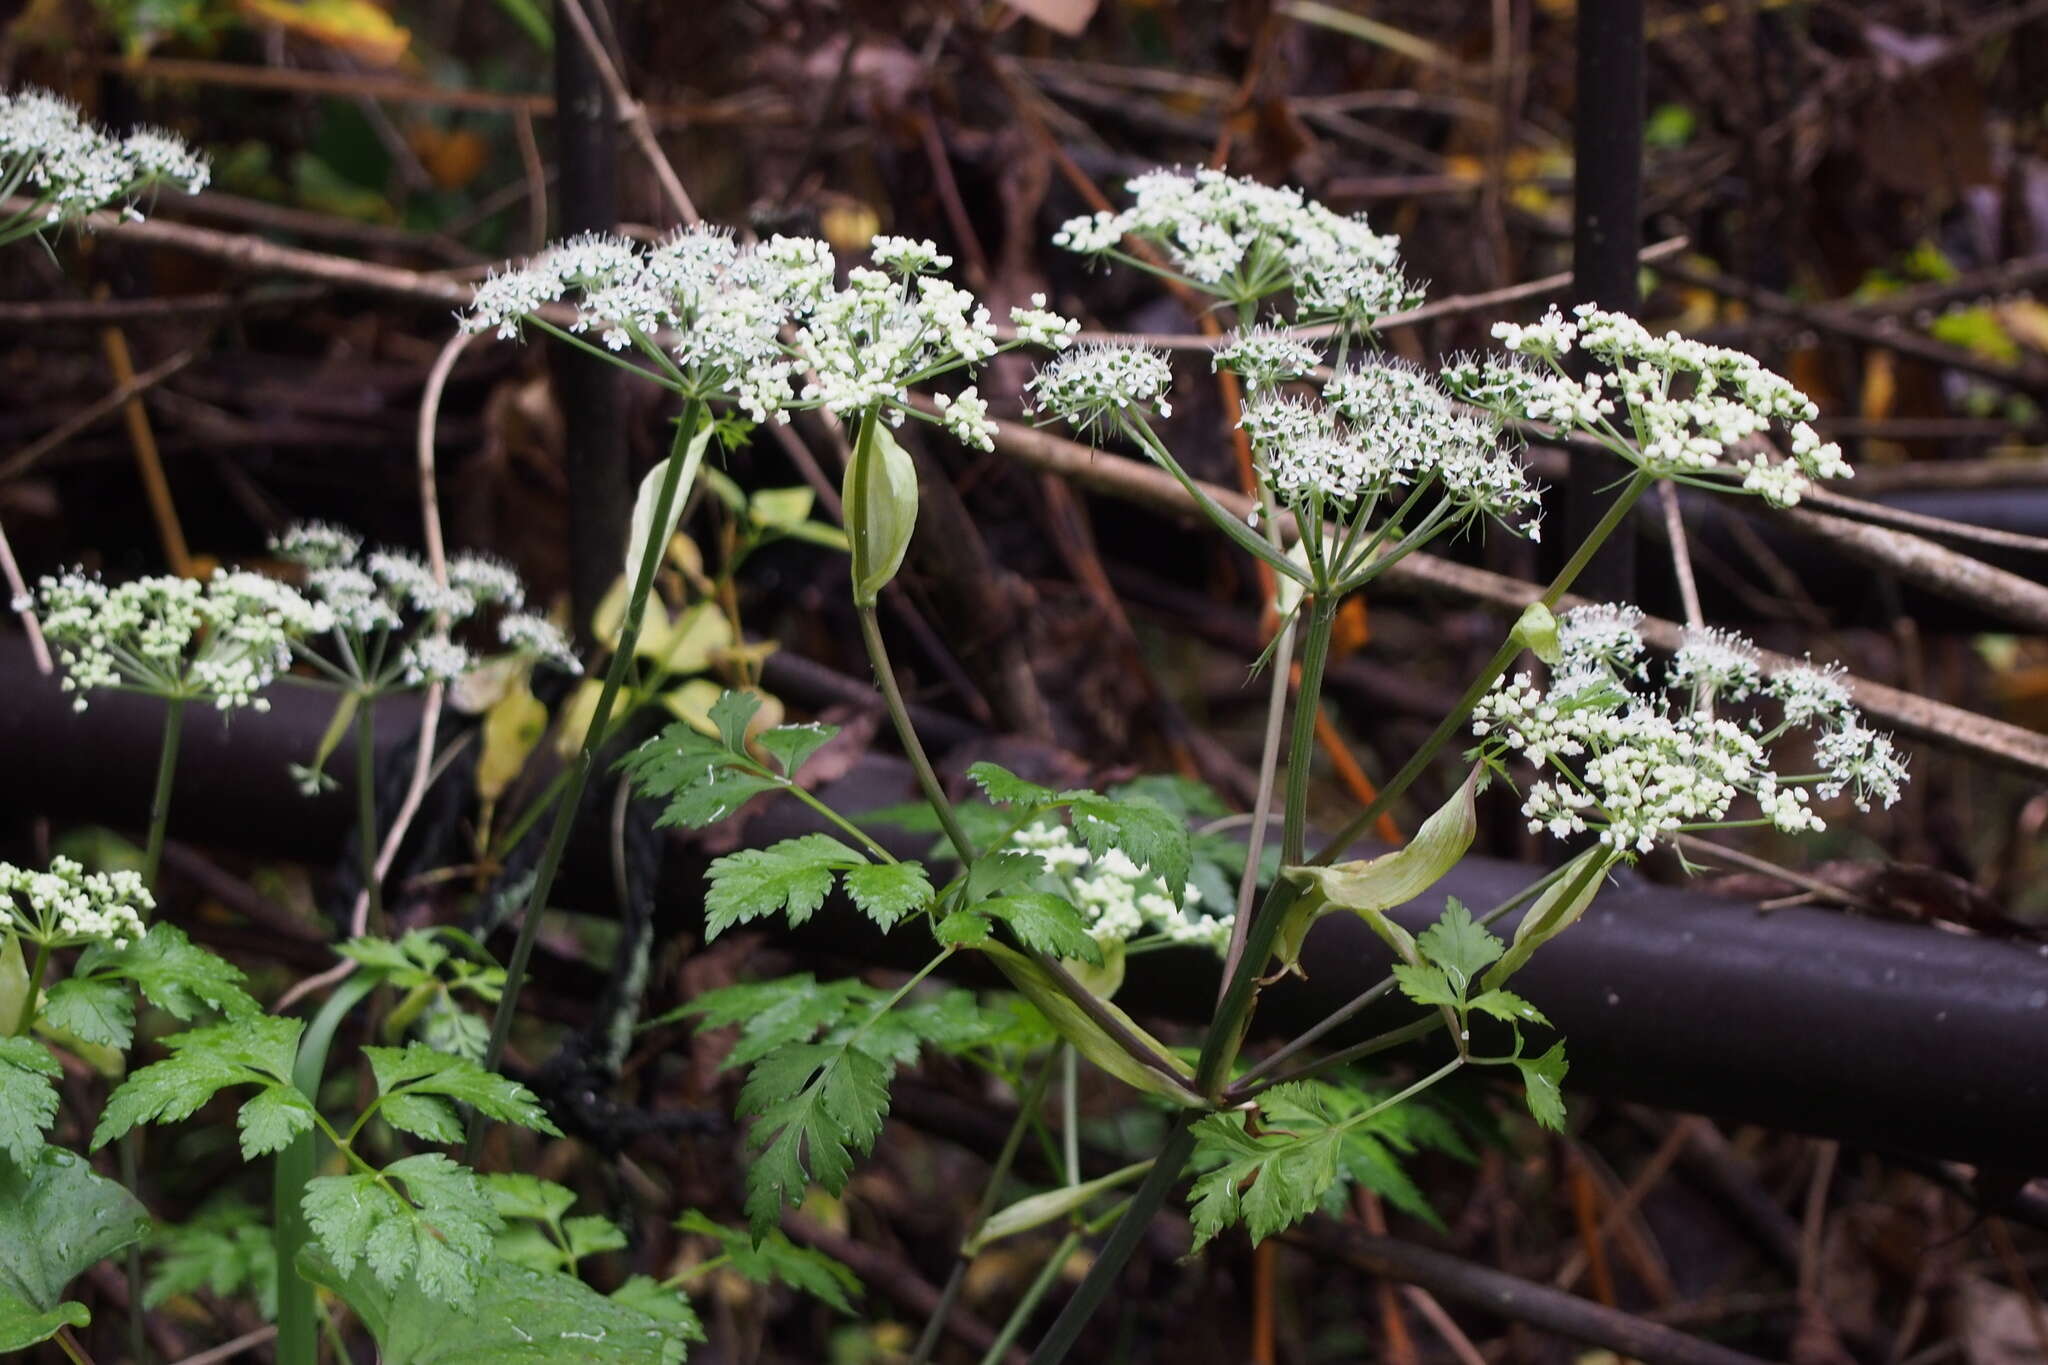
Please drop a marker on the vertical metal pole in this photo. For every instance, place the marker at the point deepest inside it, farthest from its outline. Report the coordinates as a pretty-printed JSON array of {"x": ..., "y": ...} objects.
[
  {"x": 1607, "y": 192},
  {"x": 590, "y": 390}
]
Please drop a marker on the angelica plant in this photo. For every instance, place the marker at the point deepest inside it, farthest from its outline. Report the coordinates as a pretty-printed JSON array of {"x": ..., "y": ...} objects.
[
  {"x": 1358, "y": 461},
  {"x": 65, "y": 167}
]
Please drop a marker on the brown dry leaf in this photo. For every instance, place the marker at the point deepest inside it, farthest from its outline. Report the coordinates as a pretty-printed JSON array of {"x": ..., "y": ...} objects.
[
  {"x": 1062, "y": 16},
  {"x": 358, "y": 27},
  {"x": 453, "y": 157}
]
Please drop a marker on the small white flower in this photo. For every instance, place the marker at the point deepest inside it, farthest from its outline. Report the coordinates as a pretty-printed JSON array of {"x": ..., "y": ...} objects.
[
  {"x": 1096, "y": 384},
  {"x": 1715, "y": 663},
  {"x": 317, "y": 545},
  {"x": 908, "y": 255},
  {"x": 435, "y": 659},
  {"x": 966, "y": 417},
  {"x": 1267, "y": 356},
  {"x": 1039, "y": 326},
  {"x": 66, "y": 906},
  {"x": 487, "y": 579},
  {"x": 541, "y": 638}
]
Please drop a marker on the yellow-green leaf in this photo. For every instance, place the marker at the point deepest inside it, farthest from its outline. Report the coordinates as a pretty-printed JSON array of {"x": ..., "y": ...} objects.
[
  {"x": 512, "y": 728},
  {"x": 1372, "y": 886},
  {"x": 1555, "y": 910},
  {"x": 881, "y": 509},
  {"x": 1040, "y": 1209}
]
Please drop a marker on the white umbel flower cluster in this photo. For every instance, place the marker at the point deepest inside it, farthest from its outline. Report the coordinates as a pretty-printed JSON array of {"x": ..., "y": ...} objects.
[
  {"x": 223, "y": 640},
  {"x": 1241, "y": 240},
  {"x": 392, "y": 620},
  {"x": 768, "y": 327},
  {"x": 1637, "y": 763},
  {"x": 68, "y": 907},
  {"x": 1103, "y": 385},
  {"x": 1120, "y": 900},
  {"x": 1678, "y": 408},
  {"x": 68, "y": 167}
]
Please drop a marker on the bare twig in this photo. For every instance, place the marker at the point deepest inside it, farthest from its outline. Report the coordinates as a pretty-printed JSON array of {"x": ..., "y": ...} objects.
[
  {"x": 1516, "y": 1300},
  {"x": 1934, "y": 567},
  {"x": 1681, "y": 555},
  {"x": 134, "y": 387},
  {"x": 17, "y": 593},
  {"x": 228, "y": 1350},
  {"x": 1936, "y": 722}
]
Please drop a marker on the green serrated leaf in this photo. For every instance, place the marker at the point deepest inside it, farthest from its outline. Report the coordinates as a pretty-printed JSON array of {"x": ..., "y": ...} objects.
[
  {"x": 886, "y": 892},
  {"x": 225, "y": 1250},
  {"x": 1543, "y": 1085},
  {"x": 28, "y": 1096},
  {"x": 1005, "y": 788},
  {"x": 176, "y": 974},
  {"x": 424, "y": 1116},
  {"x": 1426, "y": 984},
  {"x": 589, "y": 1235},
  {"x": 420, "y": 1070},
  {"x": 512, "y": 1314},
  {"x": 1005, "y": 869},
  {"x": 1268, "y": 1183},
  {"x": 255, "y": 1050},
  {"x": 815, "y": 1104},
  {"x": 794, "y": 875},
  {"x": 271, "y": 1119},
  {"x": 732, "y": 713},
  {"x": 793, "y": 745},
  {"x": 518, "y": 1195},
  {"x": 964, "y": 928},
  {"x": 1459, "y": 946},
  {"x": 1148, "y": 834},
  {"x": 1046, "y": 923},
  {"x": 776, "y": 1259},
  {"x": 1509, "y": 1006},
  {"x": 92, "y": 1010},
  {"x": 702, "y": 781}
]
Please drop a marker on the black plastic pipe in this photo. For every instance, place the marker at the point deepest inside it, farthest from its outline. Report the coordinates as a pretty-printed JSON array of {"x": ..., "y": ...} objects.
[{"x": 1896, "y": 1037}]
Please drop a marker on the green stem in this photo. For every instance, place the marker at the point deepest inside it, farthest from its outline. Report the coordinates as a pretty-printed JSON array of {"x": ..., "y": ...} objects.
[
  {"x": 160, "y": 801},
  {"x": 1249, "y": 1089},
  {"x": 26, "y": 1020},
  {"x": 72, "y": 1350},
  {"x": 1026, "y": 1306},
  {"x": 366, "y": 806},
  {"x": 867, "y": 841},
  {"x": 1070, "y": 1112},
  {"x": 1123, "y": 1240},
  {"x": 298, "y": 1325},
  {"x": 1307, "y": 701},
  {"x": 906, "y": 734},
  {"x": 1027, "y": 1110},
  {"x": 694, "y": 414}
]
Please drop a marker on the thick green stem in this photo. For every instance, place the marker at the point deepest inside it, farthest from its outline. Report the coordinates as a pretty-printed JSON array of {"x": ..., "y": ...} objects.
[
  {"x": 366, "y": 806},
  {"x": 1027, "y": 1110},
  {"x": 1026, "y": 1306},
  {"x": 1301, "y": 745},
  {"x": 298, "y": 1325},
  {"x": 1123, "y": 1240},
  {"x": 26, "y": 1019},
  {"x": 694, "y": 414},
  {"x": 906, "y": 734},
  {"x": 160, "y": 801}
]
